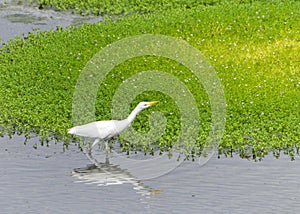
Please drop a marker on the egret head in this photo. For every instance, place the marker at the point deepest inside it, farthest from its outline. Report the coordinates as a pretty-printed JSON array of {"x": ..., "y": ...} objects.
[{"x": 144, "y": 105}]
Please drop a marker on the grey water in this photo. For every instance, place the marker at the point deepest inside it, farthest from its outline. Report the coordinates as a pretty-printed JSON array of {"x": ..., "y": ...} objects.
[
  {"x": 54, "y": 180},
  {"x": 18, "y": 19}
]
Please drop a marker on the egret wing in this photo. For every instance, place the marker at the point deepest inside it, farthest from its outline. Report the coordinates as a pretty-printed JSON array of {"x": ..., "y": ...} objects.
[
  {"x": 99, "y": 129},
  {"x": 106, "y": 129}
]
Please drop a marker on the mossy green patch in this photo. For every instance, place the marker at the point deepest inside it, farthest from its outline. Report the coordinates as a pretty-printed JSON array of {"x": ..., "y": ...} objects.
[
  {"x": 254, "y": 48},
  {"x": 107, "y": 7}
]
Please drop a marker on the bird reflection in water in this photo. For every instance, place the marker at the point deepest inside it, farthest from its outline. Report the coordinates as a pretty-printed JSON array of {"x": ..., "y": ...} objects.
[{"x": 105, "y": 174}]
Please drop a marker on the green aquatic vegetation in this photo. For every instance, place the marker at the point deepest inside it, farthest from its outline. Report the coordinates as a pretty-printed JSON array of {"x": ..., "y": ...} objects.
[
  {"x": 253, "y": 47},
  {"x": 107, "y": 7}
]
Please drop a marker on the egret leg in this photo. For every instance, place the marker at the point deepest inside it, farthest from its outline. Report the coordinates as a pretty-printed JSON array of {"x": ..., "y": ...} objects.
[
  {"x": 95, "y": 143},
  {"x": 107, "y": 151},
  {"x": 89, "y": 152}
]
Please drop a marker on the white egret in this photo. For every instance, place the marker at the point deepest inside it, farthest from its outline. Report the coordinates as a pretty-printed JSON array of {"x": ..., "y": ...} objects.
[{"x": 103, "y": 130}]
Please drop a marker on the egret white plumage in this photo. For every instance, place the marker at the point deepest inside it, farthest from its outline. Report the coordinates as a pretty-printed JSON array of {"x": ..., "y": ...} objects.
[{"x": 103, "y": 130}]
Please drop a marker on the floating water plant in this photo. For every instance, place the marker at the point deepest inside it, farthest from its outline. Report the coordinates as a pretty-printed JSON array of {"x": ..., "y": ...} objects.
[
  {"x": 106, "y": 7},
  {"x": 254, "y": 47}
]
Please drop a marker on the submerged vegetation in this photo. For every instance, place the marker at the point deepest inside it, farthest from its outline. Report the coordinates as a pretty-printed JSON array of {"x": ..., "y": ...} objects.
[{"x": 253, "y": 45}]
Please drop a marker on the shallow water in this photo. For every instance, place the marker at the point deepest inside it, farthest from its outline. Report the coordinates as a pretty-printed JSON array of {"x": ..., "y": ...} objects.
[
  {"x": 18, "y": 20},
  {"x": 48, "y": 180}
]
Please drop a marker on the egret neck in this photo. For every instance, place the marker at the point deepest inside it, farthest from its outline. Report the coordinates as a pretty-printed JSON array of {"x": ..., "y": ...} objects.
[{"x": 133, "y": 114}]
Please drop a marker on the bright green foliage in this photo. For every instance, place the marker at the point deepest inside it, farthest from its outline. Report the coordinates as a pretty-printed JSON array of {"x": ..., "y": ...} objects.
[
  {"x": 254, "y": 47},
  {"x": 109, "y": 7}
]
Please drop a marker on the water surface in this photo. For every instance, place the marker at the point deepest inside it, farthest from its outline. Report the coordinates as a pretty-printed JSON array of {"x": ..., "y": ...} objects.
[
  {"x": 18, "y": 20},
  {"x": 49, "y": 180}
]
